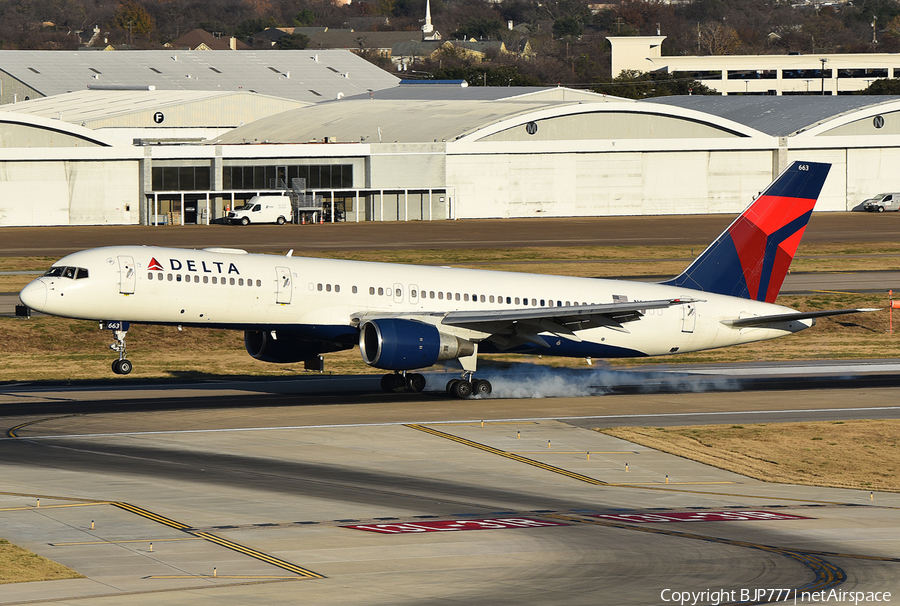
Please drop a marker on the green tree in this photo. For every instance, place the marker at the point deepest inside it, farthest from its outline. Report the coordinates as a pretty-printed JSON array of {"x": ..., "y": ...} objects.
[
  {"x": 633, "y": 84},
  {"x": 486, "y": 75},
  {"x": 385, "y": 7},
  {"x": 304, "y": 18},
  {"x": 248, "y": 27},
  {"x": 133, "y": 18},
  {"x": 881, "y": 87},
  {"x": 292, "y": 41},
  {"x": 478, "y": 27},
  {"x": 567, "y": 27}
]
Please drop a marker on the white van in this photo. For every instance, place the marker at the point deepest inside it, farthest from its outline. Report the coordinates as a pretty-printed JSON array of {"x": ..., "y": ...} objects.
[
  {"x": 262, "y": 209},
  {"x": 883, "y": 202}
]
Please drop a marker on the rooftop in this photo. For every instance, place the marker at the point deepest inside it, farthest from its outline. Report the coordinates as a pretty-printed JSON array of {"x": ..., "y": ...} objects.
[
  {"x": 90, "y": 105},
  {"x": 778, "y": 116},
  {"x": 379, "y": 120},
  {"x": 302, "y": 75}
]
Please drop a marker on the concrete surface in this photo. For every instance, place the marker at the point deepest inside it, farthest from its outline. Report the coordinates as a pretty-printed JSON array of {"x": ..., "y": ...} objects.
[{"x": 286, "y": 493}]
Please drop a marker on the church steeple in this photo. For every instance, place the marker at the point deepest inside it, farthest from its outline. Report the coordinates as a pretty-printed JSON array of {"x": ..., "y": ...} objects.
[{"x": 428, "y": 32}]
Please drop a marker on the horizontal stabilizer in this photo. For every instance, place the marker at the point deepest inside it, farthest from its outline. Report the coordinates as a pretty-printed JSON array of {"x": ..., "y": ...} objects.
[{"x": 802, "y": 315}]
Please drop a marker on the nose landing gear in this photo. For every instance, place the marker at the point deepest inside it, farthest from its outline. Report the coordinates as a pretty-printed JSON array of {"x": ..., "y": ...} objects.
[{"x": 122, "y": 366}]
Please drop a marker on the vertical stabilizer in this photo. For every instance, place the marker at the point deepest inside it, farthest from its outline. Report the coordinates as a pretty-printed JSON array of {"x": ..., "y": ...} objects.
[{"x": 751, "y": 258}]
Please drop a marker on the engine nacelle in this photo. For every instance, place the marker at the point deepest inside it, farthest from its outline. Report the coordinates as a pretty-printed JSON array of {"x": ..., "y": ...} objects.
[
  {"x": 286, "y": 347},
  {"x": 408, "y": 344}
]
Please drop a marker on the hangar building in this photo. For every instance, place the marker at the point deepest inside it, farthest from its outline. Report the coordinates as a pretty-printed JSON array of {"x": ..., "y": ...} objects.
[
  {"x": 552, "y": 152},
  {"x": 417, "y": 152}
]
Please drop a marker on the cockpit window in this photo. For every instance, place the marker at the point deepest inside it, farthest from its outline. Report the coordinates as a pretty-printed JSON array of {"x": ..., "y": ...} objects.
[{"x": 73, "y": 273}]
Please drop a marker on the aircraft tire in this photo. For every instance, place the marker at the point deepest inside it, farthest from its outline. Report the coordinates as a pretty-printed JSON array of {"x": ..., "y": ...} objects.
[
  {"x": 280, "y": 220},
  {"x": 115, "y": 367},
  {"x": 245, "y": 221},
  {"x": 386, "y": 381},
  {"x": 415, "y": 382},
  {"x": 462, "y": 390},
  {"x": 481, "y": 387},
  {"x": 397, "y": 383},
  {"x": 450, "y": 385},
  {"x": 125, "y": 367}
]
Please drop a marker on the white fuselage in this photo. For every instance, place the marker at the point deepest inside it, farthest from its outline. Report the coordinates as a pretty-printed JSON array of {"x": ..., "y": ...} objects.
[{"x": 324, "y": 298}]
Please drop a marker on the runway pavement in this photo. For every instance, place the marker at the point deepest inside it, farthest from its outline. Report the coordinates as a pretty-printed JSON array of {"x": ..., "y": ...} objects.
[
  {"x": 687, "y": 230},
  {"x": 288, "y": 497}
]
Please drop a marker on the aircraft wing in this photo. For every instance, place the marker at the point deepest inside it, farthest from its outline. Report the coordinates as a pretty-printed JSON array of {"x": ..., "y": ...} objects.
[
  {"x": 781, "y": 318},
  {"x": 511, "y": 327}
]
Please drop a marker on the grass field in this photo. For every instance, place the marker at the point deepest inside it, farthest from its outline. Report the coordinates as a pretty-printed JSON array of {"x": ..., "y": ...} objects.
[
  {"x": 18, "y": 565},
  {"x": 844, "y": 454}
]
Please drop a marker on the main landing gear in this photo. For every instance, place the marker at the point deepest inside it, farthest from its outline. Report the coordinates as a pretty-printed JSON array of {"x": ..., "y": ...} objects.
[
  {"x": 398, "y": 382},
  {"x": 468, "y": 386},
  {"x": 462, "y": 388},
  {"x": 122, "y": 366}
]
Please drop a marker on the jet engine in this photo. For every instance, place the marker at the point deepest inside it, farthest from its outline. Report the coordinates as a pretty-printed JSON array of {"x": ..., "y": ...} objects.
[
  {"x": 283, "y": 347},
  {"x": 395, "y": 344}
]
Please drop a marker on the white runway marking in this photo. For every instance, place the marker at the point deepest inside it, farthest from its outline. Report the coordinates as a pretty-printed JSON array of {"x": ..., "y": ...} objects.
[{"x": 453, "y": 422}]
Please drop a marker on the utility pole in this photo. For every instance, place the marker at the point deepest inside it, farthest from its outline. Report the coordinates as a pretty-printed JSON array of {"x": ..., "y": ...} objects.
[{"x": 824, "y": 61}]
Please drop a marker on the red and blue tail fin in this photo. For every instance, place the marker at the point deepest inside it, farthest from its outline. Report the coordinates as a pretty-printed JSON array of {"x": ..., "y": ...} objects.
[{"x": 751, "y": 258}]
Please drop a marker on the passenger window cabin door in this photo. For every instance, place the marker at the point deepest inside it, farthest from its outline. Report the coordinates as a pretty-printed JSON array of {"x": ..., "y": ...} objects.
[
  {"x": 689, "y": 320},
  {"x": 284, "y": 288},
  {"x": 127, "y": 275}
]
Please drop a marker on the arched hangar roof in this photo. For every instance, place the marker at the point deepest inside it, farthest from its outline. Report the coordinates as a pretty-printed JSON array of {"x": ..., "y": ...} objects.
[
  {"x": 155, "y": 108},
  {"x": 787, "y": 116},
  {"x": 21, "y": 130},
  {"x": 405, "y": 121}
]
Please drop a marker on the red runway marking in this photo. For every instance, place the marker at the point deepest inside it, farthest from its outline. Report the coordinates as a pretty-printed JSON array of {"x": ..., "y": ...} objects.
[
  {"x": 698, "y": 516},
  {"x": 450, "y": 525}
]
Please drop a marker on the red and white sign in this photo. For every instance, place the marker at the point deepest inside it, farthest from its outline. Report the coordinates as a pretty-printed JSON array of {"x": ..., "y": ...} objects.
[
  {"x": 154, "y": 264},
  {"x": 697, "y": 516},
  {"x": 447, "y": 525}
]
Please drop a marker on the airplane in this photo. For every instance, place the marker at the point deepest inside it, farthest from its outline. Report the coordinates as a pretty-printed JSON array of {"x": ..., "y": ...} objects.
[{"x": 406, "y": 317}]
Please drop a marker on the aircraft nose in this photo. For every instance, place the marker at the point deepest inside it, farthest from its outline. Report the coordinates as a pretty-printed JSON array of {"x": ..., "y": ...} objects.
[{"x": 34, "y": 295}]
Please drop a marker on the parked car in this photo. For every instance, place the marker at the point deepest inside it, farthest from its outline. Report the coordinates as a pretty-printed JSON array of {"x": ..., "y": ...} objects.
[
  {"x": 262, "y": 209},
  {"x": 883, "y": 202}
]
